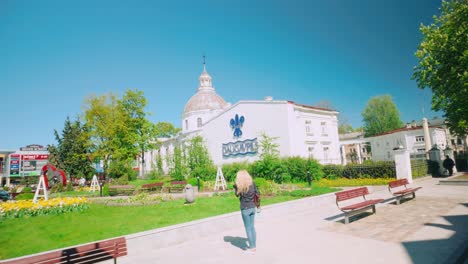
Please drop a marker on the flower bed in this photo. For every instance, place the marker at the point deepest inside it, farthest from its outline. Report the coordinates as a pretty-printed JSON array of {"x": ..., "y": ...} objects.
[{"x": 25, "y": 208}]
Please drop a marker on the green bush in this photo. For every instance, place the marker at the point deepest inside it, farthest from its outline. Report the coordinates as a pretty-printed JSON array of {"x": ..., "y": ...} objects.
[
  {"x": 267, "y": 168},
  {"x": 230, "y": 170},
  {"x": 105, "y": 190},
  {"x": 27, "y": 189},
  {"x": 122, "y": 180},
  {"x": 118, "y": 168},
  {"x": 25, "y": 196},
  {"x": 56, "y": 188},
  {"x": 193, "y": 182},
  {"x": 267, "y": 187},
  {"x": 369, "y": 169},
  {"x": 69, "y": 186}
]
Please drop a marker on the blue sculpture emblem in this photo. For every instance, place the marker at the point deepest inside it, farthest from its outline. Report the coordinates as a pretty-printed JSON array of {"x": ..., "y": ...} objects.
[{"x": 236, "y": 124}]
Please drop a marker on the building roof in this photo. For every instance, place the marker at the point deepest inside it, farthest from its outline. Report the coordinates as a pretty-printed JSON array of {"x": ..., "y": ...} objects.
[
  {"x": 206, "y": 97},
  {"x": 411, "y": 128}
]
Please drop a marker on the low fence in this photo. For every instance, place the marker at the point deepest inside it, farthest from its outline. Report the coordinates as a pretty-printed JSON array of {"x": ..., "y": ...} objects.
[{"x": 419, "y": 167}]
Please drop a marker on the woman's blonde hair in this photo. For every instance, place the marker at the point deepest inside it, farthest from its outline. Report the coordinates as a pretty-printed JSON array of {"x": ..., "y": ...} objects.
[{"x": 243, "y": 181}]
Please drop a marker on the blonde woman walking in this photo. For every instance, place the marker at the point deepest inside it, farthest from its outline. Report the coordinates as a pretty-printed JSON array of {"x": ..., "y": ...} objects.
[{"x": 245, "y": 189}]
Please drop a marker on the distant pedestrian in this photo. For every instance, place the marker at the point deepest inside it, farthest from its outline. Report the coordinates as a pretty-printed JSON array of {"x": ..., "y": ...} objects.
[
  {"x": 245, "y": 189},
  {"x": 449, "y": 164}
]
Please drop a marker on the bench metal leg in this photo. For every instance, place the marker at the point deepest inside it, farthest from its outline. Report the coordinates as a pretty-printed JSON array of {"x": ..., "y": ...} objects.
[
  {"x": 373, "y": 209},
  {"x": 414, "y": 195},
  {"x": 346, "y": 219},
  {"x": 398, "y": 198}
]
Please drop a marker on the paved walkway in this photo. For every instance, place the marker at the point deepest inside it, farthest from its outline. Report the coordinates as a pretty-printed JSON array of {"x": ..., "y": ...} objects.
[{"x": 433, "y": 228}]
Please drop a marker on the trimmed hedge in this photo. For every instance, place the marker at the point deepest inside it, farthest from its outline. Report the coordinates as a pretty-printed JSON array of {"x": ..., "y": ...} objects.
[{"x": 370, "y": 169}]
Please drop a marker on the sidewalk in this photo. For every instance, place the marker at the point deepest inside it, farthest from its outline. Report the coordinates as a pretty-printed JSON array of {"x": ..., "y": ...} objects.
[{"x": 433, "y": 228}]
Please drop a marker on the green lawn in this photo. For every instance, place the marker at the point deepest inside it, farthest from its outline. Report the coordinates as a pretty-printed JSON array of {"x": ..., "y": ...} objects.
[{"x": 36, "y": 234}]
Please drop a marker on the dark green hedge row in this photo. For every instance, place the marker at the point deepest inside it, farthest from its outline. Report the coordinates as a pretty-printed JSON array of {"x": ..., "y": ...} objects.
[
  {"x": 291, "y": 169},
  {"x": 369, "y": 169}
]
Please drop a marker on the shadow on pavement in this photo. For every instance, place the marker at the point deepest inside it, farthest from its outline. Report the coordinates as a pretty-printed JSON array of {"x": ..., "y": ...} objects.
[
  {"x": 420, "y": 251},
  {"x": 239, "y": 242}
]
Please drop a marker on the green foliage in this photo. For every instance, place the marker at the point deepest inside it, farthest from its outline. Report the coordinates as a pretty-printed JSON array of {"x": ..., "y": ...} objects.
[
  {"x": 380, "y": 115},
  {"x": 118, "y": 128},
  {"x": 198, "y": 160},
  {"x": 56, "y": 188},
  {"x": 179, "y": 170},
  {"x": 230, "y": 170},
  {"x": 267, "y": 188},
  {"x": 193, "y": 182},
  {"x": 165, "y": 130},
  {"x": 72, "y": 151},
  {"x": 27, "y": 189},
  {"x": 25, "y": 196},
  {"x": 69, "y": 186},
  {"x": 268, "y": 149},
  {"x": 443, "y": 63},
  {"x": 119, "y": 168},
  {"x": 343, "y": 182},
  {"x": 105, "y": 190},
  {"x": 122, "y": 180},
  {"x": 370, "y": 169}
]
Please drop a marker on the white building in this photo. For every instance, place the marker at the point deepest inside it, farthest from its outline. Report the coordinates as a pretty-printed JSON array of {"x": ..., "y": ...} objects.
[
  {"x": 232, "y": 132},
  {"x": 354, "y": 148},
  {"x": 409, "y": 137}
]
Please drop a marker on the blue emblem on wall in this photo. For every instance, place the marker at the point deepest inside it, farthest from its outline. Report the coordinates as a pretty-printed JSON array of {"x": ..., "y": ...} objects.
[{"x": 236, "y": 124}]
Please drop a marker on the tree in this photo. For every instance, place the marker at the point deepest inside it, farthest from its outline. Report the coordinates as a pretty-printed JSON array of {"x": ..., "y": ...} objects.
[
  {"x": 198, "y": 159},
  {"x": 380, "y": 115},
  {"x": 101, "y": 122},
  {"x": 71, "y": 153},
  {"x": 443, "y": 64},
  {"x": 119, "y": 129},
  {"x": 166, "y": 130}
]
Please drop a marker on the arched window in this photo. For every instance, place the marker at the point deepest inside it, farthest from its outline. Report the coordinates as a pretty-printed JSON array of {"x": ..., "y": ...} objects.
[
  {"x": 186, "y": 124},
  {"x": 199, "y": 122}
]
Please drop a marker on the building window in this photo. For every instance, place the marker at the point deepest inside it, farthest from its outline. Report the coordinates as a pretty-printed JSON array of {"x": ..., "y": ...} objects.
[
  {"x": 388, "y": 154},
  {"x": 324, "y": 129},
  {"x": 459, "y": 141},
  {"x": 311, "y": 152},
  {"x": 199, "y": 122},
  {"x": 421, "y": 150},
  {"x": 363, "y": 150},
  {"x": 419, "y": 138},
  {"x": 186, "y": 124},
  {"x": 326, "y": 152},
  {"x": 307, "y": 122}
]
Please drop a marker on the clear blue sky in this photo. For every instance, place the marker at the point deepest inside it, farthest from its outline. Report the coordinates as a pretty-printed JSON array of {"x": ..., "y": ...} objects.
[{"x": 55, "y": 53}]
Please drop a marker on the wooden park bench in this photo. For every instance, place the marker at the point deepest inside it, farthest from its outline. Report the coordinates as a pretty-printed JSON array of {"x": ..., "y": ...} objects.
[
  {"x": 354, "y": 208},
  {"x": 399, "y": 190},
  {"x": 89, "y": 253},
  {"x": 157, "y": 186},
  {"x": 177, "y": 186},
  {"x": 121, "y": 189}
]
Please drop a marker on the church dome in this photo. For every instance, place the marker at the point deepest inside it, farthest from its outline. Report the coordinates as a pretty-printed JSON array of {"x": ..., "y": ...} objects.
[{"x": 206, "y": 97}]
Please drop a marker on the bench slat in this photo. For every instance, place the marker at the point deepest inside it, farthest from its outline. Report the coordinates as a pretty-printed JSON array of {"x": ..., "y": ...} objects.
[
  {"x": 362, "y": 204},
  {"x": 406, "y": 191},
  {"x": 89, "y": 253},
  {"x": 350, "y": 194},
  {"x": 398, "y": 183}
]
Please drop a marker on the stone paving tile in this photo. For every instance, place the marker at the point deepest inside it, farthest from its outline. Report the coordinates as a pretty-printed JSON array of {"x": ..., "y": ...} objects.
[{"x": 395, "y": 222}]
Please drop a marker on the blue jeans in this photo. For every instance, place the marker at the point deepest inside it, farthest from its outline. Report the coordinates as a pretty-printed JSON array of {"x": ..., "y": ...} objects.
[{"x": 248, "y": 216}]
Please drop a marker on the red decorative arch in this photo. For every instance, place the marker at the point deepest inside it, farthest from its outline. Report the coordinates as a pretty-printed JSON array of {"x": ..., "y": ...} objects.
[{"x": 51, "y": 171}]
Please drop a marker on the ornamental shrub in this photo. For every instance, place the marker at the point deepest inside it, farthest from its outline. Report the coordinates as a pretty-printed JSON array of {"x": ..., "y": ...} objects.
[
  {"x": 230, "y": 170},
  {"x": 193, "y": 181}
]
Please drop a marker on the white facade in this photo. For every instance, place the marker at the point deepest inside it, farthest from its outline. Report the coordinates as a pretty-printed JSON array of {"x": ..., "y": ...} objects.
[
  {"x": 232, "y": 133},
  {"x": 409, "y": 138}
]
